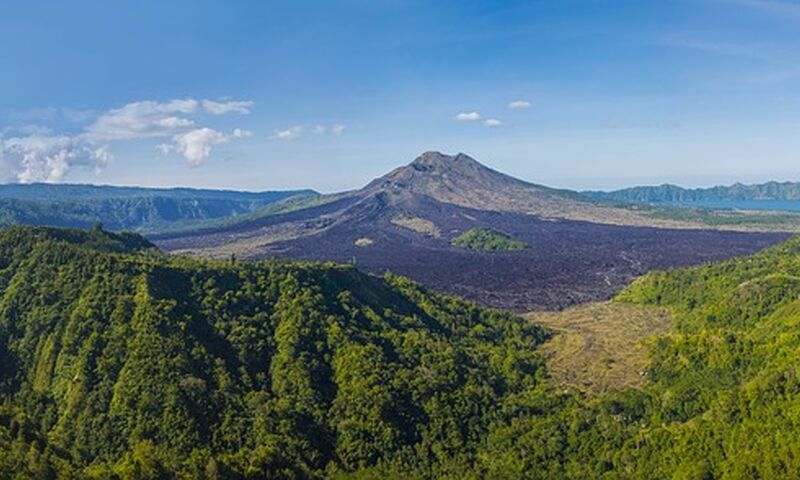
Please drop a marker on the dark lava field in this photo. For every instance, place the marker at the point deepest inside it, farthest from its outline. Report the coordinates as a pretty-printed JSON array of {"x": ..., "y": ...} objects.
[{"x": 565, "y": 262}]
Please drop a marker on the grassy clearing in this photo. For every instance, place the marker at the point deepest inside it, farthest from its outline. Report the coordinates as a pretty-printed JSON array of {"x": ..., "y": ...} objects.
[
  {"x": 600, "y": 347},
  {"x": 417, "y": 224}
]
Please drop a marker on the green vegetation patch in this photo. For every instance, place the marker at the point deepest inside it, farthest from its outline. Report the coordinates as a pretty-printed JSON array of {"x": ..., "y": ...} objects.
[{"x": 487, "y": 240}]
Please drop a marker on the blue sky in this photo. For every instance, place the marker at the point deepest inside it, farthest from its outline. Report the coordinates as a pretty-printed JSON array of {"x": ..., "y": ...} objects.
[{"x": 327, "y": 95}]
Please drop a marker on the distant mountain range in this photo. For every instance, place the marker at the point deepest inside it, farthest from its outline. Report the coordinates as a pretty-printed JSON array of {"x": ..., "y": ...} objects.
[
  {"x": 129, "y": 208},
  {"x": 672, "y": 193},
  {"x": 575, "y": 249}
]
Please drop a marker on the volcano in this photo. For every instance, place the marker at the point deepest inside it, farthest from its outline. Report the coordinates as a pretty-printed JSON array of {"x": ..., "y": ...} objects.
[{"x": 575, "y": 249}]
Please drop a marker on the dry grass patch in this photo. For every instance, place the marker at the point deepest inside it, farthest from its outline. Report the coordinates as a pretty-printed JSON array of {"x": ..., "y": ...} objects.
[
  {"x": 417, "y": 224},
  {"x": 601, "y": 346}
]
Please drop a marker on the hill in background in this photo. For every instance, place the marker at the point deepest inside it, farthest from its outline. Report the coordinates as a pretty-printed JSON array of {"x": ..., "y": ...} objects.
[
  {"x": 788, "y": 191},
  {"x": 130, "y": 208}
]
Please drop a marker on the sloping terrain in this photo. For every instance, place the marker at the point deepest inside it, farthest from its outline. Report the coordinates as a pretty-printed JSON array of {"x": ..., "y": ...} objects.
[
  {"x": 673, "y": 193},
  {"x": 405, "y": 223},
  {"x": 601, "y": 347},
  {"x": 129, "y": 208},
  {"x": 726, "y": 389},
  {"x": 120, "y": 362}
]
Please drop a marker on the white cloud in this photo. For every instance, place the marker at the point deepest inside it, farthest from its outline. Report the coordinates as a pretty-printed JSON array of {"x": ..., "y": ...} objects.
[
  {"x": 196, "y": 145},
  {"x": 221, "y": 108},
  {"x": 239, "y": 133},
  {"x": 145, "y": 119},
  {"x": 493, "y": 122},
  {"x": 47, "y": 158},
  {"x": 338, "y": 129},
  {"x": 519, "y": 104},
  {"x": 38, "y": 155},
  {"x": 296, "y": 131},
  {"x": 289, "y": 134},
  {"x": 468, "y": 116}
]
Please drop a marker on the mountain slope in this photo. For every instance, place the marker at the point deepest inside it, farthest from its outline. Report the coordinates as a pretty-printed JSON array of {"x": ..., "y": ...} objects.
[
  {"x": 129, "y": 208},
  {"x": 146, "y": 366},
  {"x": 726, "y": 387},
  {"x": 405, "y": 222},
  {"x": 672, "y": 193},
  {"x": 130, "y": 364},
  {"x": 461, "y": 180}
]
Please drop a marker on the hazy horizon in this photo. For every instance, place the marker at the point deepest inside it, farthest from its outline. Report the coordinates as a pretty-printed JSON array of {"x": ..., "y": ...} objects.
[{"x": 575, "y": 183}]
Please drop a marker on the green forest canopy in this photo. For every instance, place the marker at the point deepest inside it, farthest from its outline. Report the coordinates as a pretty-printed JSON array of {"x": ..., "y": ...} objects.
[
  {"x": 121, "y": 362},
  {"x": 133, "y": 208},
  {"x": 487, "y": 240}
]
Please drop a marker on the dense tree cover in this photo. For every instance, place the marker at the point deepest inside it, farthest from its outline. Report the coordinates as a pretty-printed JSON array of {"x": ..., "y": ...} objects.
[
  {"x": 487, "y": 240},
  {"x": 673, "y": 193},
  {"x": 120, "y": 362},
  {"x": 128, "y": 208},
  {"x": 138, "y": 365},
  {"x": 726, "y": 396}
]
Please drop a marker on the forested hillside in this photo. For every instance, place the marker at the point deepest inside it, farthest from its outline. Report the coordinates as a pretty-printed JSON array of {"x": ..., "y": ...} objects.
[
  {"x": 121, "y": 362},
  {"x": 137, "y": 365},
  {"x": 129, "y": 208},
  {"x": 726, "y": 398},
  {"x": 672, "y": 193}
]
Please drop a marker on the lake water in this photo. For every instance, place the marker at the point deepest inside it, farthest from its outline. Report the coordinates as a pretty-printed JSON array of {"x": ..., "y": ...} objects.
[{"x": 780, "y": 205}]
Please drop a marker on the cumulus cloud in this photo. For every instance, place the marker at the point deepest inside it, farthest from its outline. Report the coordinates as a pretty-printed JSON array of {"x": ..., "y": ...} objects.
[
  {"x": 38, "y": 155},
  {"x": 47, "y": 158},
  {"x": 289, "y": 134},
  {"x": 468, "y": 116},
  {"x": 239, "y": 133},
  {"x": 195, "y": 145},
  {"x": 296, "y": 131},
  {"x": 492, "y": 122},
  {"x": 221, "y": 108},
  {"x": 146, "y": 119},
  {"x": 519, "y": 104}
]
